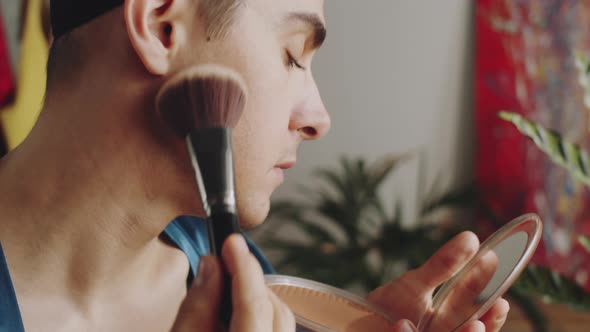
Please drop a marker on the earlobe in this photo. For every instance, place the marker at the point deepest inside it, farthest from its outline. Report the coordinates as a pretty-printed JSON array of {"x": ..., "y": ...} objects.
[{"x": 150, "y": 32}]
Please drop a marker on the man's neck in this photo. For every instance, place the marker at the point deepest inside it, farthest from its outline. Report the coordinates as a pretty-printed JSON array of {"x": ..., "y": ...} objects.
[{"x": 85, "y": 197}]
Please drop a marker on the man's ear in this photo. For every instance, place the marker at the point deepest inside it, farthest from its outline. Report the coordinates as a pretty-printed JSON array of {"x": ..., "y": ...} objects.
[{"x": 153, "y": 27}]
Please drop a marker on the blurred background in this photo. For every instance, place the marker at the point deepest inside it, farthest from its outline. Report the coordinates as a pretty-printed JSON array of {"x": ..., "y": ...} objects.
[{"x": 417, "y": 152}]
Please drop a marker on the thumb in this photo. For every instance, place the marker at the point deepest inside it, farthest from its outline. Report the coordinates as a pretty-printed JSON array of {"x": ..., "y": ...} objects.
[
  {"x": 200, "y": 309},
  {"x": 404, "y": 326}
]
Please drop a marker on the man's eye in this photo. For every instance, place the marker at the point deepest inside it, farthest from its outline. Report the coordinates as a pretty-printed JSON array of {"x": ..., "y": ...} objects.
[{"x": 292, "y": 62}]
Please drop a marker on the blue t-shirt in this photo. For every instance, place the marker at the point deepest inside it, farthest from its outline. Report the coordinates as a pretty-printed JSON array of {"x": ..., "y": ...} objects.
[{"x": 189, "y": 234}]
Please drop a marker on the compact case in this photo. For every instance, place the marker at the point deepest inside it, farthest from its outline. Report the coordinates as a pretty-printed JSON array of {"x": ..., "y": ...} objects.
[{"x": 323, "y": 308}]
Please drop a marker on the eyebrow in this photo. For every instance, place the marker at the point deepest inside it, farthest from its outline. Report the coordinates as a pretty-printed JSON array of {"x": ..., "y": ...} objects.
[{"x": 314, "y": 23}]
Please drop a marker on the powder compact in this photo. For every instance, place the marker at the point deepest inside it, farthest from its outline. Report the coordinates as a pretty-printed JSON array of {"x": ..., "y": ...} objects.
[
  {"x": 323, "y": 308},
  {"x": 466, "y": 296}
]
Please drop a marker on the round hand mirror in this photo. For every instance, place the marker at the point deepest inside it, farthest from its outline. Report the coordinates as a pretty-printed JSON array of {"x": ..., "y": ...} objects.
[{"x": 486, "y": 277}]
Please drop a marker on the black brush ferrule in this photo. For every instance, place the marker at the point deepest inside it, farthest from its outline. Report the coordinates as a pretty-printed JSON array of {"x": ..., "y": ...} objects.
[{"x": 213, "y": 152}]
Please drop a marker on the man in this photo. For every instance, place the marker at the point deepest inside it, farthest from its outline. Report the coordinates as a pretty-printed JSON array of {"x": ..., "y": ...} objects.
[{"x": 87, "y": 198}]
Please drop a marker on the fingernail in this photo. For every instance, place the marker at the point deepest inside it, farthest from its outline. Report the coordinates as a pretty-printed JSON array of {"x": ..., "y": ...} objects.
[
  {"x": 204, "y": 272},
  {"x": 501, "y": 319},
  {"x": 407, "y": 327}
]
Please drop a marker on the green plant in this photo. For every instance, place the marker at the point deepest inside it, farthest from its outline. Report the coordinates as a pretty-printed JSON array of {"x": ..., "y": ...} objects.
[
  {"x": 347, "y": 237},
  {"x": 543, "y": 282},
  {"x": 552, "y": 288}
]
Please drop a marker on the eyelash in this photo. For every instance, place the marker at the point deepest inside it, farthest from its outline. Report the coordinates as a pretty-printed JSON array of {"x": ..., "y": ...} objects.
[{"x": 292, "y": 62}]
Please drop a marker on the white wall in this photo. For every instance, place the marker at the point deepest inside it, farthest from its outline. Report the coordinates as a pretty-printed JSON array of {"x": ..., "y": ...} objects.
[{"x": 396, "y": 77}]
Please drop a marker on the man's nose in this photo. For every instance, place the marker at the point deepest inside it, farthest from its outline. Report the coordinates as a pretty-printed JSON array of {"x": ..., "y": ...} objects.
[{"x": 311, "y": 119}]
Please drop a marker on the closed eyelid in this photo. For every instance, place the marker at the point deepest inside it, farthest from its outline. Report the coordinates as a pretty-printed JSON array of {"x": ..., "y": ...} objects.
[
  {"x": 313, "y": 26},
  {"x": 298, "y": 42},
  {"x": 292, "y": 61},
  {"x": 295, "y": 48}
]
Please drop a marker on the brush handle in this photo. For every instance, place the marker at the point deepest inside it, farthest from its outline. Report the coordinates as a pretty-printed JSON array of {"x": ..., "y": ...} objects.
[
  {"x": 212, "y": 158},
  {"x": 221, "y": 226}
]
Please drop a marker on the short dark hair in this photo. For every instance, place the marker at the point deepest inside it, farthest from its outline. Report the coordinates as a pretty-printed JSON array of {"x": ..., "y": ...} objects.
[{"x": 67, "y": 15}]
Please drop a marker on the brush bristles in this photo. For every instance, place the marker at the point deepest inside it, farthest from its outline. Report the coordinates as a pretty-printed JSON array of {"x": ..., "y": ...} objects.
[{"x": 206, "y": 96}]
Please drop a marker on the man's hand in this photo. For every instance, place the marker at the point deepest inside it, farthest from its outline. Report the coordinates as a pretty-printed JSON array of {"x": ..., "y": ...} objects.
[
  {"x": 411, "y": 295},
  {"x": 255, "y": 307}
]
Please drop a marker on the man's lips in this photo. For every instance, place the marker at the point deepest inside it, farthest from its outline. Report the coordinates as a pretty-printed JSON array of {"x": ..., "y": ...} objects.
[{"x": 286, "y": 165}]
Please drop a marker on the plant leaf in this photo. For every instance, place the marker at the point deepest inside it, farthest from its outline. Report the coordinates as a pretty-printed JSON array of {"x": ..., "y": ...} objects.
[
  {"x": 566, "y": 154},
  {"x": 585, "y": 242}
]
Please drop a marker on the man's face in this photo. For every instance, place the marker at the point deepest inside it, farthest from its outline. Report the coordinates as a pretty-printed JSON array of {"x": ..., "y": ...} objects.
[{"x": 271, "y": 44}]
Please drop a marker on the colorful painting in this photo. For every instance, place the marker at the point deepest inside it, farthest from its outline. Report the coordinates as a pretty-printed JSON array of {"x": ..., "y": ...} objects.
[{"x": 526, "y": 63}]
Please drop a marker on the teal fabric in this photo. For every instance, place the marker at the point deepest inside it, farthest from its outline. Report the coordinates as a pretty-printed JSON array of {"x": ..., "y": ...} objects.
[
  {"x": 189, "y": 234},
  {"x": 10, "y": 319}
]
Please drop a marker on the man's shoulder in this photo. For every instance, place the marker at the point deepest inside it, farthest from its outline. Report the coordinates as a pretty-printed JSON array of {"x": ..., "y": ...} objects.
[{"x": 190, "y": 235}]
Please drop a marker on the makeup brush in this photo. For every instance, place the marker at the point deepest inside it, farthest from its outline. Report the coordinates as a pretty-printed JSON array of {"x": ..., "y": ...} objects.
[{"x": 203, "y": 104}]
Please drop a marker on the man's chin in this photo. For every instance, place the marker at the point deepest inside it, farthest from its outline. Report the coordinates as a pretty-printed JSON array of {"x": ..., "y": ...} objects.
[
  {"x": 249, "y": 223},
  {"x": 253, "y": 217}
]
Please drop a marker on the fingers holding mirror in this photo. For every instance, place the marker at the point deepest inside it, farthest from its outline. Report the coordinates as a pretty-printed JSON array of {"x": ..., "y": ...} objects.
[
  {"x": 468, "y": 295},
  {"x": 465, "y": 297}
]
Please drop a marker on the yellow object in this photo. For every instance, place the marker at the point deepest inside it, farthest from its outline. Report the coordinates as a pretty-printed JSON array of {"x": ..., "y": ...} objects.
[{"x": 18, "y": 118}]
